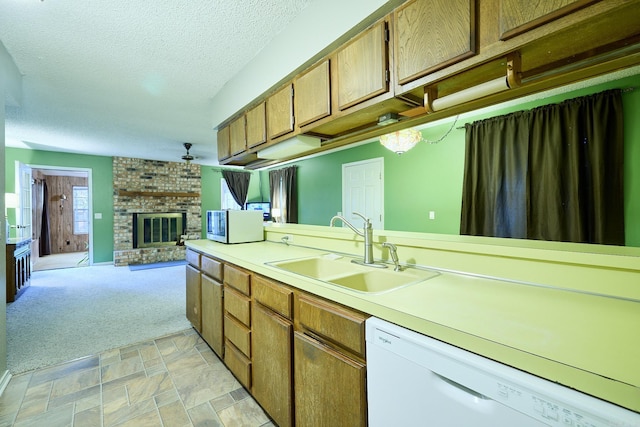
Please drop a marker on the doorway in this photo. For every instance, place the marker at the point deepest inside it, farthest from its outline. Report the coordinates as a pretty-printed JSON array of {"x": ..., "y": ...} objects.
[
  {"x": 60, "y": 217},
  {"x": 363, "y": 191}
]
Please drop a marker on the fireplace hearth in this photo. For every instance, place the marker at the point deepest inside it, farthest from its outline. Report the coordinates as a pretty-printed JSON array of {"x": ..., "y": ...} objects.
[{"x": 158, "y": 229}]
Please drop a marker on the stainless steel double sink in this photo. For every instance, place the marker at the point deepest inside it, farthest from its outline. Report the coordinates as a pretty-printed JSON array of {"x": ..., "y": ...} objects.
[{"x": 338, "y": 270}]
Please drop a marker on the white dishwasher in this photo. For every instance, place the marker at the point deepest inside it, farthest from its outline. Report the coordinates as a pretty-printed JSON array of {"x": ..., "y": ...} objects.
[{"x": 414, "y": 380}]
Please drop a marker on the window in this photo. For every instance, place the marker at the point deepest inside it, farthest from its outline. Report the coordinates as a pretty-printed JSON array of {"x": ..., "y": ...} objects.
[
  {"x": 80, "y": 210},
  {"x": 226, "y": 198}
]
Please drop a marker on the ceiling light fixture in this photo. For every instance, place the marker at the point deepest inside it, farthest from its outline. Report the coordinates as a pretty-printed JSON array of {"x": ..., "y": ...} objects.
[
  {"x": 401, "y": 141},
  {"x": 187, "y": 157}
]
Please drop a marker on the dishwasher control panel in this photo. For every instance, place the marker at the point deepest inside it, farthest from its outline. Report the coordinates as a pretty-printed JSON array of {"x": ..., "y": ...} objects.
[{"x": 547, "y": 410}]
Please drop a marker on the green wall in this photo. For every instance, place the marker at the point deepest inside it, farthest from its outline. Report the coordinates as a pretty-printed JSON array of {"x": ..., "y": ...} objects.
[
  {"x": 102, "y": 189},
  {"x": 429, "y": 177}
]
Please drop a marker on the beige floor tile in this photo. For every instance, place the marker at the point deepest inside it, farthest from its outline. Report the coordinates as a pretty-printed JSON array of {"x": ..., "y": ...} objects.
[
  {"x": 146, "y": 388},
  {"x": 204, "y": 384},
  {"x": 88, "y": 418},
  {"x": 60, "y": 371},
  {"x": 167, "y": 397},
  {"x": 187, "y": 342},
  {"x": 149, "y": 352},
  {"x": 148, "y": 419},
  {"x": 245, "y": 413},
  {"x": 35, "y": 401},
  {"x": 59, "y": 417},
  {"x": 121, "y": 369},
  {"x": 204, "y": 416},
  {"x": 80, "y": 395},
  {"x": 12, "y": 397},
  {"x": 75, "y": 381},
  {"x": 115, "y": 414},
  {"x": 174, "y": 381},
  {"x": 222, "y": 402},
  {"x": 180, "y": 363},
  {"x": 89, "y": 402},
  {"x": 114, "y": 393},
  {"x": 174, "y": 415}
]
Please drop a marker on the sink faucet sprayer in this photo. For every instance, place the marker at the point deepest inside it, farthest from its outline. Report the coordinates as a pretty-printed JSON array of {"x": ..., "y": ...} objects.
[{"x": 367, "y": 234}]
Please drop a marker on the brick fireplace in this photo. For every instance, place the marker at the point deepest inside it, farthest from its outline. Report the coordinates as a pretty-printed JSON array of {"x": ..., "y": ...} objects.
[{"x": 153, "y": 195}]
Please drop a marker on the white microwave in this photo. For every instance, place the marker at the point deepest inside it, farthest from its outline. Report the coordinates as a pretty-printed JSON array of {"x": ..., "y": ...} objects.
[{"x": 230, "y": 226}]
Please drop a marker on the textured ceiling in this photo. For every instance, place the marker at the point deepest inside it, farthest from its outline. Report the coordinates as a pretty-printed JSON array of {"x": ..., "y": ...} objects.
[{"x": 130, "y": 78}]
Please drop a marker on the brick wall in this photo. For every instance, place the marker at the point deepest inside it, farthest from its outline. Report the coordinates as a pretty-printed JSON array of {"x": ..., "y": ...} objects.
[{"x": 146, "y": 177}]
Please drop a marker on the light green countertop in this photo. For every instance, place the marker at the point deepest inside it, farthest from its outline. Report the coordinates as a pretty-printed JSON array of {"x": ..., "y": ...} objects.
[{"x": 585, "y": 341}]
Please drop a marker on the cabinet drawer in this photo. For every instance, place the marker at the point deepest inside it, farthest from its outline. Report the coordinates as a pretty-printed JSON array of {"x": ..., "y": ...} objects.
[
  {"x": 211, "y": 267},
  {"x": 238, "y": 279},
  {"x": 273, "y": 295},
  {"x": 238, "y": 334},
  {"x": 238, "y": 305},
  {"x": 331, "y": 321},
  {"x": 193, "y": 258},
  {"x": 238, "y": 364}
]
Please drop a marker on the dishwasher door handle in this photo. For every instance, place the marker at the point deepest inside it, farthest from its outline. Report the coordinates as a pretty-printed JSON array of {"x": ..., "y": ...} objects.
[{"x": 462, "y": 388}]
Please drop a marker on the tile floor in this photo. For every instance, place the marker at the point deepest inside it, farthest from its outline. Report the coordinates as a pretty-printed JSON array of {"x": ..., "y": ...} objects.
[{"x": 170, "y": 381}]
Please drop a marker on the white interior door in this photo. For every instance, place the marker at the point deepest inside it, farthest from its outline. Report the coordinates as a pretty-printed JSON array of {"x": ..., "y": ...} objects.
[
  {"x": 23, "y": 189},
  {"x": 363, "y": 191}
]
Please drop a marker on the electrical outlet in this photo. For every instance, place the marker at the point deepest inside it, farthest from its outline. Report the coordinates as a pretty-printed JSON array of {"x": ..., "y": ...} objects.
[{"x": 432, "y": 214}]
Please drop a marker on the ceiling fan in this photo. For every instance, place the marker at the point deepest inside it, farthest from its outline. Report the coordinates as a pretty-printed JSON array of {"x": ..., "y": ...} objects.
[{"x": 187, "y": 157}]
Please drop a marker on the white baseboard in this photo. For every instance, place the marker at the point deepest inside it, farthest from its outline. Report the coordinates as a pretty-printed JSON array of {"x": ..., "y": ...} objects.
[
  {"x": 102, "y": 263},
  {"x": 4, "y": 381}
]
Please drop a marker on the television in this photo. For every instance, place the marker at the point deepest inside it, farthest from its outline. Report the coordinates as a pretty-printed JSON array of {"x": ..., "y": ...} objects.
[{"x": 265, "y": 207}]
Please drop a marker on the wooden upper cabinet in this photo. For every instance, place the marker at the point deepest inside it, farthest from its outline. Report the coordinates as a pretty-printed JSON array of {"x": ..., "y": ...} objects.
[
  {"x": 432, "y": 34},
  {"x": 520, "y": 16},
  {"x": 238, "y": 136},
  {"x": 280, "y": 112},
  {"x": 362, "y": 67},
  {"x": 256, "y": 126},
  {"x": 224, "y": 151},
  {"x": 312, "y": 94}
]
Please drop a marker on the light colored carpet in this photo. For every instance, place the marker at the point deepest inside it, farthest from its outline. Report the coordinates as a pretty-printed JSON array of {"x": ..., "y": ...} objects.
[{"x": 76, "y": 312}]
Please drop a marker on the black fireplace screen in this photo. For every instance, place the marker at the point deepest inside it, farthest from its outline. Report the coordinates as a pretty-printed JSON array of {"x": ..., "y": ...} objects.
[{"x": 157, "y": 229}]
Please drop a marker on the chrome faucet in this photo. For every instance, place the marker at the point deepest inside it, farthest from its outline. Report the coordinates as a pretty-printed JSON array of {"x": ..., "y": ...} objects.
[
  {"x": 367, "y": 234},
  {"x": 393, "y": 252}
]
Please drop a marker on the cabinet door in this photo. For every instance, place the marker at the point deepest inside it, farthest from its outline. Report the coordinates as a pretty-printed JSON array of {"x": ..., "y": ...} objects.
[
  {"x": 224, "y": 150},
  {"x": 193, "y": 297},
  {"x": 519, "y": 16},
  {"x": 272, "y": 364},
  {"x": 362, "y": 67},
  {"x": 212, "y": 314},
  {"x": 334, "y": 323},
  {"x": 312, "y": 94},
  {"x": 280, "y": 112},
  {"x": 238, "y": 136},
  {"x": 329, "y": 387},
  {"x": 432, "y": 34},
  {"x": 256, "y": 126}
]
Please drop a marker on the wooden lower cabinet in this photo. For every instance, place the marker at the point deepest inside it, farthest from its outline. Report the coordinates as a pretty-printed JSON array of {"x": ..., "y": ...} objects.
[
  {"x": 212, "y": 314},
  {"x": 330, "y": 388},
  {"x": 272, "y": 338},
  {"x": 238, "y": 363},
  {"x": 194, "y": 297},
  {"x": 301, "y": 356},
  {"x": 18, "y": 274}
]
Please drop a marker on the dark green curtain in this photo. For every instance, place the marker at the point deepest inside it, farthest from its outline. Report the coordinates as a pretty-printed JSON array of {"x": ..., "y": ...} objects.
[
  {"x": 283, "y": 192},
  {"x": 551, "y": 173},
  {"x": 238, "y": 183}
]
